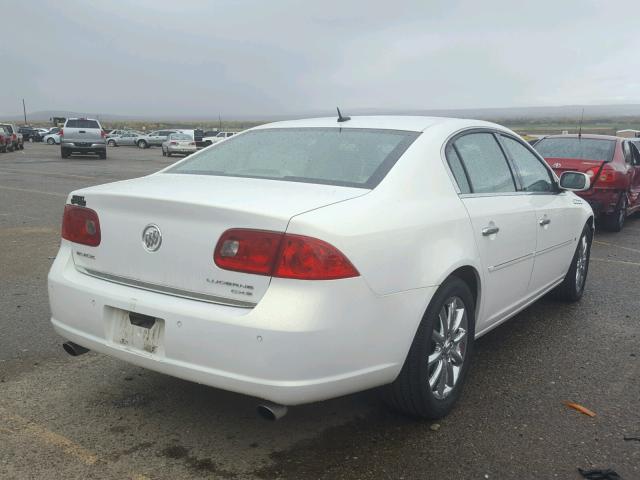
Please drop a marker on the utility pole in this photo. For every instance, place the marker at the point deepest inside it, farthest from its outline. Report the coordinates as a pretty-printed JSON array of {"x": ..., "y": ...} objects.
[
  {"x": 219, "y": 123},
  {"x": 24, "y": 110}
]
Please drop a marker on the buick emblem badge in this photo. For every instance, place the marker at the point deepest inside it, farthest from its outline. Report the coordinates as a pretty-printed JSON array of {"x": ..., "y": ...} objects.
[{"x": 151, "y": 238}]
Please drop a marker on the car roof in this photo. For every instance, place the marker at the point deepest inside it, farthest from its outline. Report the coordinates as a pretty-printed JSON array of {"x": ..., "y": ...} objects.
[
  {"x": 592, "y": 136},
  {"x": 382, "y": 122}
]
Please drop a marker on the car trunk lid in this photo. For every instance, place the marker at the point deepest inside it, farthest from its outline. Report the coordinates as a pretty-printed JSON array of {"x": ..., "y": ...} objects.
[
  {"x": 191, "y": 212},
  {"x": 592, "y": 168}
]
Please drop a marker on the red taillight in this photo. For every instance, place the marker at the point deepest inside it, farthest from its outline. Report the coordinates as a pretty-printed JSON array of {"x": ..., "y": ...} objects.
[
  {"x": 173, "y": 143},
  {"x": 192, "y": 143},
  {"x": 607, "y": 175},
  {"x": 281, "y": 255},
  {"x": 308, "y": 258},
  {"x": 103, "y": 134},
  {"x": 61, "y": 131},
  {"x": 81, "y": 225},
  {"x": 249, "y": 251}
]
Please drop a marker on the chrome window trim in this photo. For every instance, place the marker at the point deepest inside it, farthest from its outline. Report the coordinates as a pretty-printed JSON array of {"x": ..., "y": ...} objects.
[
  {"x": 175, "y": 292},
  {"x": 495, "y": 131}
]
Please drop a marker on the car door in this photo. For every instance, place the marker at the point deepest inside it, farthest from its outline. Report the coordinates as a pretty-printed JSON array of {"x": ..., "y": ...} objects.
[
  {"x": 502, "y": 218},
  {"x": 127, "y": 139},
  {"x": 558, "y": 214},
  {"x": 634, "y": 194}
]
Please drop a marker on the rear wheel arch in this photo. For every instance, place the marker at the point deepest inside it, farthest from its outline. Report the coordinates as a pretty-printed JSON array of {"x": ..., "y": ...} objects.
[{"x": 471, "y": 277}]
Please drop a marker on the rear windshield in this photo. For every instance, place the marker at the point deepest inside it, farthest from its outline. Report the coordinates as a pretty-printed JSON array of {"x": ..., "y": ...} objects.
[
  {"x": 333, "y": 156},
  {"x": 583, "y": 149},
  {"x": 180, "y": 136},
  {"x": 82, "y": 124}
]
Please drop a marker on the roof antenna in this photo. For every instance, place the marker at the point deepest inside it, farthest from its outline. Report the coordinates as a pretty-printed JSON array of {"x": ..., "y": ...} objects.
[
  {"x": 341, "y": 118},
  {"x": 580, "y": 126}
]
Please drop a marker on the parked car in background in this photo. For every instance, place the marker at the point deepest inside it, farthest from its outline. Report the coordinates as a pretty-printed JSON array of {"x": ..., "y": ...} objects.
[
  {"x": 118, "y": 132},
  {"x": 126, "y": 138},
  {"x": 17, "y": 142},
  {"x": 29, "y": 134},
  {"x": 5, "y": 140},
  {"x": 40, "y": 134},
  {"x": 154, "y": 139},
  {"x": 612, "y": 165},
  {"x": 181, "y": 143},
  {"x": 309, "y": 259},
  {"x": 217, "y": 138},
  {"x": 82, "y": 135},
  {"x": 52, "y": 138}
]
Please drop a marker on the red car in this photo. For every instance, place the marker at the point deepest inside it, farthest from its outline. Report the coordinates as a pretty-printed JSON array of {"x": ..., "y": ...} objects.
[
  {"x": 5, "y": 140},
  {"x": 612, "y": 164}
]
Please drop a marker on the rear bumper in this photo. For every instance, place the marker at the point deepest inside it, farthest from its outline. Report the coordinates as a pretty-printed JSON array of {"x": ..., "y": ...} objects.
[
  {"x": 603, "y": 202},
  {"x": 304, "y": 341},
  {"x": 82, "y": 147},
  {"x": 181, "y": 149}
]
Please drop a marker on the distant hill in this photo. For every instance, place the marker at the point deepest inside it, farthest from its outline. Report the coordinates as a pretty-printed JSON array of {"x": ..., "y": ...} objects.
[{"x": 509, "y": 113}]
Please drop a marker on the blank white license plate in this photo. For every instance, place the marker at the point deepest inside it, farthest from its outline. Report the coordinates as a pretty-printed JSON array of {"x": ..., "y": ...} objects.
[{"x": 137, "y": 331}]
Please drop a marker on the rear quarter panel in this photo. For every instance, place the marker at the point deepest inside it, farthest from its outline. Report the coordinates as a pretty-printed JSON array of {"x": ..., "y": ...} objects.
[{"x": 410, "y": 232}]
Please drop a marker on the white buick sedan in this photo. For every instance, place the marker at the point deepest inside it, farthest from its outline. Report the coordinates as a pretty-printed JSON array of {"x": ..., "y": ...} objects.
[{"x": 304, "y": 260}]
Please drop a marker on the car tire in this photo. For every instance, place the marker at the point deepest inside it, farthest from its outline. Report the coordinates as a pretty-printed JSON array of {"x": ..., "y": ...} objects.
[
  {"x": 419, "y": 391},
  {"x": 50, "y": 141},
  {"x": 572, "y": 287},
  {"x": 142, "y": 144},
  {"x": 615, "y": 221},
  {"x": 112, "y": 143}
]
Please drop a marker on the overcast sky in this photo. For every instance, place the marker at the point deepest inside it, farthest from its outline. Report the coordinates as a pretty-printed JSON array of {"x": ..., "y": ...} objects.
[{"x": 264, "y": 57}]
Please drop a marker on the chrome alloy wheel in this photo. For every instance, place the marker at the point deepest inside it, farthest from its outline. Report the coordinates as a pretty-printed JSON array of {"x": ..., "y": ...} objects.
[
  {"x": 582, "y": 262},
  {"x": 449, "y": 346}
]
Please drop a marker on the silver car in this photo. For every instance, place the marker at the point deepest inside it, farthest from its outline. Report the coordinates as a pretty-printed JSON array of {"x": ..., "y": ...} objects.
[
  {"x": 126, "y": 138},
  {"x": 155, "y": 138},
  {"x": 178, "y": 143},
  {"x": 82, "y": 135}
]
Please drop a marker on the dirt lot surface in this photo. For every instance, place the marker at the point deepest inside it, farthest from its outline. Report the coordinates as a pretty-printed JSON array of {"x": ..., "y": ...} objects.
[{"x": 97, "y": 417}]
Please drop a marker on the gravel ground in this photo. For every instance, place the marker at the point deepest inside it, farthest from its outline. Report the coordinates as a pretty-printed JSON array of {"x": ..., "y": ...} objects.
[{"x": 97, "y": 417}]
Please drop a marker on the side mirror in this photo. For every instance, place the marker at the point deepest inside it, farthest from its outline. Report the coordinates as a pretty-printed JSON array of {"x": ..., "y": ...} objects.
[{"x": 575, "y": 181}]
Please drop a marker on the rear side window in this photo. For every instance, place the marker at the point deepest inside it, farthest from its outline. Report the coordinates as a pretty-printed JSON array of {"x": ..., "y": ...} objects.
[
  {"x": 534, "y": 175},
  {"x": 578, "y": 148},
  {"x": 626, "y": 150},
  {"x": 485, "y": 164},
  {"x": 457, "y": 169},
  {"x": 352, "y": 157},
  {"x": 79, "y": 123}
]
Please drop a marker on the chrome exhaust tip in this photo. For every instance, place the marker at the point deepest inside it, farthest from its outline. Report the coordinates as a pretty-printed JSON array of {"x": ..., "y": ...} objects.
[
  {"x": 271, "y": 411},
  {"x": 74, "y": 349}
]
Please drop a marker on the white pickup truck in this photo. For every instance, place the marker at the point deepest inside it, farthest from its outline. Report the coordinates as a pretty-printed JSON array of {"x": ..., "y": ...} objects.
[
  {"x": 219, "y": 137},
  {"x": 83, "y": 135}
]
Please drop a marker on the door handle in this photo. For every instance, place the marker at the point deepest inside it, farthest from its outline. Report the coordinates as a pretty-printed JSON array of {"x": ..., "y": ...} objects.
[
  {"x": 544, "y": 221},
  {"x": 486, "y": 231},
  {"x": 82, "y": 131}
]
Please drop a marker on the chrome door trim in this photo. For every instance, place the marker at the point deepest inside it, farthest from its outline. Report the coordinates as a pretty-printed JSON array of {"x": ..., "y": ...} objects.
[{"x": 509, "y": 263}]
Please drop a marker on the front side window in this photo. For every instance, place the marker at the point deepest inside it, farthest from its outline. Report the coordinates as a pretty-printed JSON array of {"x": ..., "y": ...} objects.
[
  {"x": 485, "y": 164},
  {"x": 334, "y": 156},
  {"x": 534, "y": 175}
]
